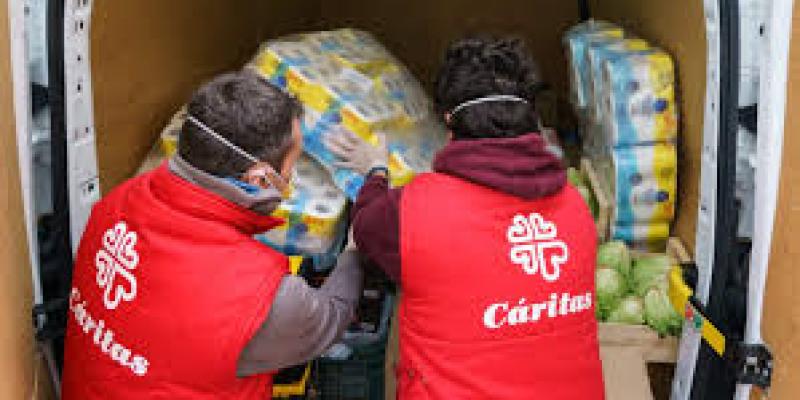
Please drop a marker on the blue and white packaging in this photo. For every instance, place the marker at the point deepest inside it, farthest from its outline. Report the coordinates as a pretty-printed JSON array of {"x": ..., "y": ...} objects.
[
  {"x": 576, "y": 41},
  {"x": 639, "y": 104}
]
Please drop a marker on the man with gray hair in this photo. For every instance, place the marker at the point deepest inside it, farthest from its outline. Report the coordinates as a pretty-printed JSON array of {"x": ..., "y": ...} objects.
[{"x": 172, "y": 297}]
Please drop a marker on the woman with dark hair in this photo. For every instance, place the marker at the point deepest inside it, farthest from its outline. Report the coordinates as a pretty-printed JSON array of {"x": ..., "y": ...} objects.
[{"x": 495, "y": 253}]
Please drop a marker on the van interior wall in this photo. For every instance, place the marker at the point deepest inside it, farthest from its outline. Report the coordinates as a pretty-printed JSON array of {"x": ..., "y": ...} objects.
[
  {"x": 679, "y": 27},
  {"x": 418, "y": 31},
  {"x": 148, "y": 56}
]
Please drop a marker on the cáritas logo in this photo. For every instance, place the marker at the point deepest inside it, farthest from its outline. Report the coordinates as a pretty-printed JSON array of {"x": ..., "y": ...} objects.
[
  {"x": 115, "y": 263},
  {"x": 535, "y": 246}
]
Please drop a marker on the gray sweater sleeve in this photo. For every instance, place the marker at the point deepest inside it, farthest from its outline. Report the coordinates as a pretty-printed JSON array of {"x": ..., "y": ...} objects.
[{"x": 304, "y": 322}]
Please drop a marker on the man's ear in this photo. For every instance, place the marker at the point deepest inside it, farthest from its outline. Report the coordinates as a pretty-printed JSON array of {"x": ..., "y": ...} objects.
[{"x": 253, "y": 176}]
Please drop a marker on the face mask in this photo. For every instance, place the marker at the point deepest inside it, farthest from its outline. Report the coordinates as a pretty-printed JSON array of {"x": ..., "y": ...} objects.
[
  {"x": 258, "y": 191},
  {"x": 264, "y": 172},
  {"x": 495, "y": 98}
]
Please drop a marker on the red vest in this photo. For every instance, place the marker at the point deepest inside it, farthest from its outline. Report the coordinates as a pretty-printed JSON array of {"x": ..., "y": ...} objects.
[
  {"x": 498, "y": 294},
  {"x": 168, "y": 288}
]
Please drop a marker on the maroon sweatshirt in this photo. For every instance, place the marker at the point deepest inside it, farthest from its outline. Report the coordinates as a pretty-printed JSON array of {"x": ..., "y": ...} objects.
[{"x": 520, "y": 166}]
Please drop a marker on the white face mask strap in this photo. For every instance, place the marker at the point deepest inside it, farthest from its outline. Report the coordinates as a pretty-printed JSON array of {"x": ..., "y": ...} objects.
[
  {"x": 222, "y": 140},
  {"x": 488, "y": 99}
]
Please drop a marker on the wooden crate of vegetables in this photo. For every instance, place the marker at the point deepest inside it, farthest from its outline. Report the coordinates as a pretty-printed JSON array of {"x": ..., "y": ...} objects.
[{"x": 638, "y": 324}]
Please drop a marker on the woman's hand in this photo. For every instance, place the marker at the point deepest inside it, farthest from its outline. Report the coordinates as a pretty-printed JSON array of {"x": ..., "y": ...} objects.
[{"x": 356, "y": 154}]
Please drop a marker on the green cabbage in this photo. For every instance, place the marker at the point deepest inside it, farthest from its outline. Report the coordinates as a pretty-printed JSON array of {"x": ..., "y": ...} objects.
[
  {"x": 615, "y": 255},
  {"x": 630, "y": 310},
  {"x": 651, "y": 271},
  {"x": 610, "y": 289},
  {"x": 659, "y": 313}
]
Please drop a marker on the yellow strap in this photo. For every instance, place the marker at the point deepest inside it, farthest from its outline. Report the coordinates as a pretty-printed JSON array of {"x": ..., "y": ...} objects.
[
  {"x": 294, "y": 388},
  {"x": 679, "y": 294},
  {"x": 713, "y": 336}
]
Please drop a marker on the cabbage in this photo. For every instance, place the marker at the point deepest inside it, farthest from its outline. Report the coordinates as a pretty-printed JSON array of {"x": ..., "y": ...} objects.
[
  {"x": 575, "y": 177},
  {"x": 659, "y": 314},
  {"x": 615, "y": 255},
  {"x": 610, "y": 288},
  {"x": 630, "y": 310},
  {"x": 650, "y": 272}
]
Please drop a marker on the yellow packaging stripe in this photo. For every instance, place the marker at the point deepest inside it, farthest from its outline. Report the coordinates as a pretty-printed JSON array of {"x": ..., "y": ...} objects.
[
  {"x": 267, "y": 63},
  {"x": 294, "y": 264},
  {"x": 399, "y": 172},
  {"x": 316, "y": 226},
  {"x": 309, "y": 93},
  {"x": 292, "y": 389},
  {"x": 169, "y": 146},
  {"x": 713, "y": 336},
  {"x": 665, "y": 160},
  {"x": 679, "y": 294},
  {"x": 657, "y": 231},
  {"x": 662, "y": 79},
  {"x": 371, "y": 67},
  {"x": 636, "y": 44},
  {"x": 362, "y": 128}
]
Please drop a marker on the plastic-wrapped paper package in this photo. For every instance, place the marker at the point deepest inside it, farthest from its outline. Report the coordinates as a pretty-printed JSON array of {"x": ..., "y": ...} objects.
[
  {"x": 645, "y": 237},
  {"x": 411, "y": 148},
  {"x": 595, "y": 135},
  {"x": 314, "y": 213},
  {"x": 315, "y": 126},
  {"x": 347, "y": 81},
  {"x": 644, "y": 184},
  {"x": 640, "y": 100},
  {"x": 576, "y": 41},
  {"x": 598, "y": 52}
]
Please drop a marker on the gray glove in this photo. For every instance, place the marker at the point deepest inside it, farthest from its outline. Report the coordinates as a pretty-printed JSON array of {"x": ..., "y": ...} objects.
[{"x": 356, "y": 154}]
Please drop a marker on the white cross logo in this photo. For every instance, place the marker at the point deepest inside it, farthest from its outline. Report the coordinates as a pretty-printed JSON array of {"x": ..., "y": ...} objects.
[
  {"x": 118, "y": 256},
  {"x": 531, "y": 238}
]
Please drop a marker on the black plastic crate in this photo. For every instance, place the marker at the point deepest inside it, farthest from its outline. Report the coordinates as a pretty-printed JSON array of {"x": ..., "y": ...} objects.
[{"x": 361, "y": 375}]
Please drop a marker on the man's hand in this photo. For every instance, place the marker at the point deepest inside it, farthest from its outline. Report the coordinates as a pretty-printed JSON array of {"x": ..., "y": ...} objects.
[{"x": 356, "y": 154}]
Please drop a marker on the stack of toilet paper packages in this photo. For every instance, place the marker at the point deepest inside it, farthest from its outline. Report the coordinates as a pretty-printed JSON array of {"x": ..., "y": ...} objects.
[
  {"x": 623, "y": 89},
  {"x": 314, "y": 213},
  {"x": 348, "y": 82}
]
